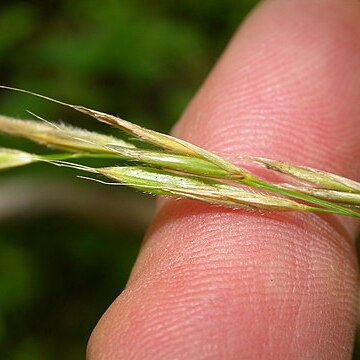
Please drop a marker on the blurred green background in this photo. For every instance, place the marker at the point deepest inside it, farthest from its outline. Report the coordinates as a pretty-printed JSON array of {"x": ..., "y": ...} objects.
[{"x": 67, "y": 245}]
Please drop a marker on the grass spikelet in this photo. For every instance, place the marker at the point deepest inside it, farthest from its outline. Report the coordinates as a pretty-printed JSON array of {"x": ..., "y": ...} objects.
[
  {"x": 341, "y": 197},
  {"x": 322, "y": 179},
  {"x": 59, "y": 136},
  {"x": 11, "y": 158},
  {"x": 186, "y": 164},
  {"x": 157, "y": 139},
  {"x": 181, "y": 169},
  {"x": 161, "y": 182},
  {"x": 164, "y": 141}
]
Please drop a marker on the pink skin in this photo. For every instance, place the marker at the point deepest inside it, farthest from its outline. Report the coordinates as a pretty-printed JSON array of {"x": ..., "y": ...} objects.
[{"x": 213, "y": 283}]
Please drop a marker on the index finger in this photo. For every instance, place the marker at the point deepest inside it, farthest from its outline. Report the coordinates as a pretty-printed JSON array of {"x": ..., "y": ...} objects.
[{"x": 213, "y": 283}]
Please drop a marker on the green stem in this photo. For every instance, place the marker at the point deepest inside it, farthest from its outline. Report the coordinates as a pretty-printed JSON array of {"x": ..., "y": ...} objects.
[{"x": 69, "y": 156}]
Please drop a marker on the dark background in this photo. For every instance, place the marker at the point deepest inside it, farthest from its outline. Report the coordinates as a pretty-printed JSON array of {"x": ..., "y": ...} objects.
[{"x": 67, "y": 245}]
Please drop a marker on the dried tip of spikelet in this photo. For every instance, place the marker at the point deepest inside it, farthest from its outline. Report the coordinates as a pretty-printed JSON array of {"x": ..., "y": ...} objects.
[{"x": 59, "y": 136}]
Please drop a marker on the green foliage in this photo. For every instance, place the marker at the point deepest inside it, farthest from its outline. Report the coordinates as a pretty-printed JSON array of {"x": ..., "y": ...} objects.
[
  {"x": 57, "y": 276},
  {"x": 141, "y": 59}
]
